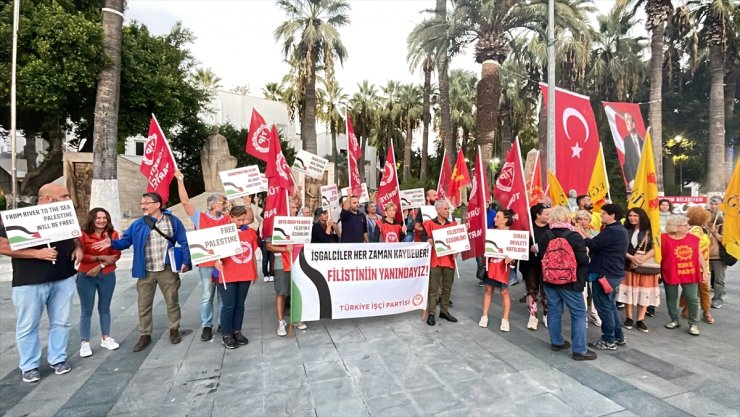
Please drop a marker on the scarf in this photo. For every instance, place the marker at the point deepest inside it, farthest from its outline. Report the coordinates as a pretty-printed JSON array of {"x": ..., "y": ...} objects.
[{"x": 562, "y": 225}]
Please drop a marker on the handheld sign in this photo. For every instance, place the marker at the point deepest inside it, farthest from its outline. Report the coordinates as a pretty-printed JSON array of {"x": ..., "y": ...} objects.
[
  {"x": 213, "y": 243},
  {"x": 449, "y": 240},
  {"x": 329, "y": 196},
  {"x": 511, "y": 243},
  {"x": 364, "y": 198},
  {"x": 428, "y": 213},
  {"x": 310, "y": 164},
  {"x": 411, "y": 199},
  {"x": 241, "y": 181},
  {"x": 38, "y": 225},
  {"x": 291, "y": 230},
  {"x": 265, "y": 185}
]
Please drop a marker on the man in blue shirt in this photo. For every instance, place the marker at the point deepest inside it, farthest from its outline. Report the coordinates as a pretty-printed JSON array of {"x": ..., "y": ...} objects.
[{"x": 354, "y": 223}]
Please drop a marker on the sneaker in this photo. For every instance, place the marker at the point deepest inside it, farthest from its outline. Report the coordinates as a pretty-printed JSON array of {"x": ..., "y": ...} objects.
[
  {"x": 301, "y": 326},
  {"x": 504, "y": 325},
  {"x": 650, "y": 311},
  {"x": 267, "y": 278},
  {"x": 544, "y": 320},
  {"x": 229, "y": 342},
  {"x": 207, "y": 334},
  {"x": 32, "y": 375},
  {"x": 588, "y": 356},
  {"x": 240, "y": 339},
  {"x": 483, "y": 321},
  {"x": 620, "y": 306},
  {"x": 628, "y": 324},
  {"x": 595, "y": 319},
  {"x": 109, "y": 343},
  {"x": 602, "y": 345},
  {"x": 673, "y": 325},
  {"x": 716, "y": 303},
  {"x": 621, "y": 342},
  {"x": 281, "y": 328},
  {"x": 272, "y": 278},
  {"x": 641, "y": 326},
  {"x": 85, "y": 349},
  {"x": 532, "y": 323},
  {"x": 480, "y": 283},
  {"x": 557, "y": 348},
  {"x": 694, "y": 330},
  {"x": 61, "y": 368}
]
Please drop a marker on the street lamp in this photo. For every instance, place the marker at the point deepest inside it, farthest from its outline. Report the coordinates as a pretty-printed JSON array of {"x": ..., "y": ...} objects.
[{"x": 679, "y": 160}]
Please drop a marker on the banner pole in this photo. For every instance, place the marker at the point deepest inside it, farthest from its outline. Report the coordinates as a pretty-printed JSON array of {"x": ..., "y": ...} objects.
[
  {"x": 457, "y": 271},
  {"x": 223, "y": 276},
  {"x": 48, "y": 245},
  {"x": 290, "y": 330},
  {"x": 606, "y": 174}
]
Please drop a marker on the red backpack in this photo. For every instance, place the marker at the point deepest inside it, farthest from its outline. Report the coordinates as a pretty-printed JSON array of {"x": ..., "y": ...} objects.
[{"x": 559, "y": 262}]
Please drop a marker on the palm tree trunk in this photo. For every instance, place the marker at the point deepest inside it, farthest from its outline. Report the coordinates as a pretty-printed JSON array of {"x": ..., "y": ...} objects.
[
  {"x": 334, "y": 153},
  {"x": 444, "y": 92},
  {"x": 716, "y": 170},
  {"x": 308, "y": 123},
  {"x": 104, "y": 189},
  {"x": 487, "y": 103},
  {"x": 407, "y": 150},
  {"x": 426, "y": 118},
  {"x": 656, "y": 97}
]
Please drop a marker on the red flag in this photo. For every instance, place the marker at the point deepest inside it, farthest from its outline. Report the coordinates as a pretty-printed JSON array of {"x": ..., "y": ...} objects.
[
  {"x": 158, "y": 163},
  {"x": 258, "y": 138},
  {"x": 510, "y": 189},
  {"x": 388, "y": 190},
  {"x": 475, "y": 218},
  {"x": 276, "y": 205},
  {"x": 445, "y": 174},
  {"x": 354, "y": 153},
  {"x": 534, "y": 186},
  {"x": 576, "y": 138},
  {"x": 628, "y": 132},
  {"x": 459, "y": 179},
  {"x": 278, "y": 173}
]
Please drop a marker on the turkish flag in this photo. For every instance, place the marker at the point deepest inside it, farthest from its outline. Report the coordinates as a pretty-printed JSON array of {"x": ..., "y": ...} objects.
[
  {"x": 576, "y": 139},
  {"x": 278, "y": 172},
  {"x": 354, "y": 153},
  {"x": 475, "y": 218},
  {"x": 536, "y": 191},
  {"x": 276, "y": 205},
  {"x": 258, "y": 138},
  {"x": 158, "y": 163},
  {"x": 388, "y": 190},
  {"x": 445, "y": 174},
  {"x": 510, "y": 189},
  {"x": 459, "y": 179}
]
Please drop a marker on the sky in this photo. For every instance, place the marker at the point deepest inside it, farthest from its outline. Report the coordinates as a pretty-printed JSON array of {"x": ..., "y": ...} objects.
[{"x": 235, "y": 38}]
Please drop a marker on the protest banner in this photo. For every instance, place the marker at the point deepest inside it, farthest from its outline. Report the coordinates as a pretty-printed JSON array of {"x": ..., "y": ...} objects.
[
  {"x": 413, "y": 198},
  {"x": 310, "y": 164},
  {"x": 348, "y": 280},
  {"x": 213, "y": 243},
  {"x": 264, "y": 183},
  {"x": 241, "y": 181},
  {"x": 428, "y": 213},
  {"x": 511, "y": 243},
  {"x": 291, "y": 230},
  {"x": 450, "y": 240},
  {"x": 682, "y": 203},
  {"x": 364, "y": 198},
  {"x": 37, "y": 225},
  {"x": 329, "y": 196}
]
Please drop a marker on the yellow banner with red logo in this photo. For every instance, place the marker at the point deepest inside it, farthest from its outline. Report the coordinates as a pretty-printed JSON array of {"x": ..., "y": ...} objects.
[
  {"x": 645, "y": 192},
  {"x": 731, "y": 207}
]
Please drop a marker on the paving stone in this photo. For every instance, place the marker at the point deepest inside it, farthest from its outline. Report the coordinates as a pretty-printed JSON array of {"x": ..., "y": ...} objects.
[
  {"x": 584, "y": 400},
  {"x": 696, "y": 404},
  {"x": 323, "y": 371},
  {"x": 372, "y": 385},
  {"x": 399, "y": 404},
  {"x": 546, "y": 405},
  {"x": 337, "y": 397},
  {"x": 436, "y": 400},
  {"x": 649, "y": 363},
  {"x": 644, "y": 404},
  {"x": 278, "y": 378}
]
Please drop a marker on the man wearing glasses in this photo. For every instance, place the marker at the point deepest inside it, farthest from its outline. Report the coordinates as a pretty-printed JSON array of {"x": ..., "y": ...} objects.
[
  {"x": 152, "y": 236},
  {"x": 217, "y": 215}
]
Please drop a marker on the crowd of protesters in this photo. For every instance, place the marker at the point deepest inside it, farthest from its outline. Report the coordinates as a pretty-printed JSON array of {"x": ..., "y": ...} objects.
[{"x": 602, "y": 258}]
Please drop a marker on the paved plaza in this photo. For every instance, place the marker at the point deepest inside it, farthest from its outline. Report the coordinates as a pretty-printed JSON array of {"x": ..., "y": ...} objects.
[{"x": 387, "y": 366}]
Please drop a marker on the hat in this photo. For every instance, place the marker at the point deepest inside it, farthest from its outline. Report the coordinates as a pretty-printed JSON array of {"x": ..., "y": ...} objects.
[{"x": 319, "y": 210}]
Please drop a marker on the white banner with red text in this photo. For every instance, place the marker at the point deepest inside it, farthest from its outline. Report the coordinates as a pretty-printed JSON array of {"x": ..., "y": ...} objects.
[{"x": 347, "y": 280}]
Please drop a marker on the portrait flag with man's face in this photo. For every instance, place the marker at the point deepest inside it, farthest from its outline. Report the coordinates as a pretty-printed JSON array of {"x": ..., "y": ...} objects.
[{"x": 628, "y": 132}]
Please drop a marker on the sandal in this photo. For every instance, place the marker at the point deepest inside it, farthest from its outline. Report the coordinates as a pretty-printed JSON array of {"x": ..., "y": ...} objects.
[{"x": 708, "y": 318}]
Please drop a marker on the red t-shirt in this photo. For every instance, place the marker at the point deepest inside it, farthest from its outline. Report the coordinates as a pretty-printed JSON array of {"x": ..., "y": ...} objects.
[
  {"x": 680, "y": 263},
  {"x": 447, "y": 261},
  {"x": 498, "y": 270},
  {"x": 89, "y": 253},
  {"x": 241, "y": 267},
  {"x": 390, "y": 232}
]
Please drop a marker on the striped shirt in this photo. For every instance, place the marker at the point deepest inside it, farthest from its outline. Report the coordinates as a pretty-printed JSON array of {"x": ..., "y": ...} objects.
[{"x": 156, "y": 246}]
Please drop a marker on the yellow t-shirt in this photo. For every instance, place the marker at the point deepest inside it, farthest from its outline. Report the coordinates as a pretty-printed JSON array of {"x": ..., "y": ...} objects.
[{"x": 703, "y": 243}]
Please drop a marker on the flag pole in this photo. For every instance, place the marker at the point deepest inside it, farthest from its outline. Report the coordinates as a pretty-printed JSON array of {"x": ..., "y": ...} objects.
[
  {"x": 606, "y": 174},
  {"x": 521, "y": 167},
  {"x": 534, "y": 171},
  {"x": 13, "y": 107}
]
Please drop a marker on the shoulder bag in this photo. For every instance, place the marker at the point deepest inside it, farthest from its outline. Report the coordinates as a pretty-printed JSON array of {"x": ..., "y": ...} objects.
[{"x": 649, "y": 266}]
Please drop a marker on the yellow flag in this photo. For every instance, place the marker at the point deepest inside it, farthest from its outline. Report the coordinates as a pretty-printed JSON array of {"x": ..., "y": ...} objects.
[
  {"x": 598, "y": 187},
  {"x": 645, "y": 192},
  {"x": 731, "y": 208},
  {"x": 555, "y": 191}
]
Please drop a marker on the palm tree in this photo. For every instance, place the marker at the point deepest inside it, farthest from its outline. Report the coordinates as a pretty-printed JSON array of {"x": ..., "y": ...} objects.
[
  {"x": 409, "y": 110},
  {"x": 718, "y": 18},
  {"x": 388, "y": 119},
  {"x": 206, "y": 78},
  {"x": 308, "y": 35},
  {"x": 364, "y": 112},
  {"x": 273, "y": 91},
  {"x": 104, "y": 188},
  {"x": 335, "y": 101},
  {"x": 462, "y": 105},
  {"x": 427, "y": 66}
]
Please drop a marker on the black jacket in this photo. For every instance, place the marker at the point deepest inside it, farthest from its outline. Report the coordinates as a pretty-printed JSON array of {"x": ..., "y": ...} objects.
[
  {"x": 608, "y": 251},
  {"x": 579, "y": 250}
]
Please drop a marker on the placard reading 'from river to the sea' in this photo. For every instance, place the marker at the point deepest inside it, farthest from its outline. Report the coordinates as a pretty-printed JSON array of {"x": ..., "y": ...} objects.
[{"x": 37, "y": 225}]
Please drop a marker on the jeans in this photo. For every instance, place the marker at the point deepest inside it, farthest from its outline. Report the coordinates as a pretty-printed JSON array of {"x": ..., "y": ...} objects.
[
  {"x": 103, "y": 285},
  {"x": 606, "y": 305},
  {"x": 267, "y": 258},
  {"x": 718, "y": 277},
  {"x": 556, "y": 300},
  {"x": 29, "y": 302},
  {"x": 232, "y": 313},
  {"x": 207, "y": 296}
]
